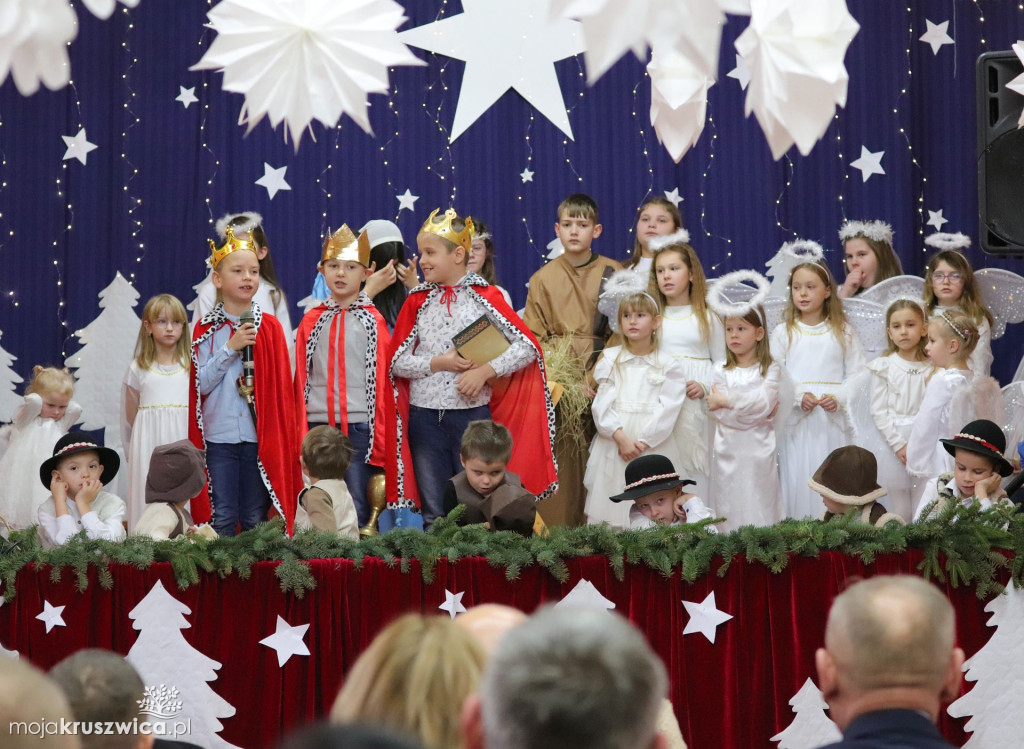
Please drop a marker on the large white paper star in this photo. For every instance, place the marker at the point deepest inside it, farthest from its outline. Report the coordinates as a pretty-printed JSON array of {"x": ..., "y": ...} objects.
[
  {"x": 407, "y": 201},
  {"x": 286, "y": 641},
  {"x": 273, "y": 180},
  {"x": 704, "y": 617},
  {"x": 453, "y": 603},
  {"x": 936, "y": 219},
  {"x": 505, "y": 45},
  {"x": 186, "y": 96},
  {"x": 869, "y": 163},
  {"x": 1017, "y": 84},
  {"x": 936, "y": 35},
  {"x": 741, "y": 73},
  {"x": 673, "y": 195},
  {"x": 78, "y": 146},
  {"x": 585, "y": 596},
  {"x": 526, "y": 176},
  {"x": 555, "y": 248},
  {"x": 51, "y": 616}
]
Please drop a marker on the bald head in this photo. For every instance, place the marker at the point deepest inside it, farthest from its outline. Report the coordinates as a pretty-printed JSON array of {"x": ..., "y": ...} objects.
[{"x": 488, "y": 622}]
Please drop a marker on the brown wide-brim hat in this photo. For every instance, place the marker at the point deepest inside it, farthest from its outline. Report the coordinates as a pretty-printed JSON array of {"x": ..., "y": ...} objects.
[
  {"x": 177, "y": 472},
  {"x": 983, "y": 437},
  {"x": 849, "y": 476},
  {"x": 73, "y": 443}
]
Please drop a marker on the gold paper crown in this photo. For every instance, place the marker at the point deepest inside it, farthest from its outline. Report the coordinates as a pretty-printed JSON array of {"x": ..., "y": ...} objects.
[
  {"x": 343, "y": 245},
  {"x": 231, "y": 244},
  {"x": 443, "y": 228}
]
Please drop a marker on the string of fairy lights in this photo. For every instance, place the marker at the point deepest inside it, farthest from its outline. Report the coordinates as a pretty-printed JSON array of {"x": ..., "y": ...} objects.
[
  {"x": 6, "y": 233},
  {"x": 204, "y": 142},
  {"x": 445, "y": 160},
  {"x": 132, "y": 121},
  {"x": 645, "y": 79}
]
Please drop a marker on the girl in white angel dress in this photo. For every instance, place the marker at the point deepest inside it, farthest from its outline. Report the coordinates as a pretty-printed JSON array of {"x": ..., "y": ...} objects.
[
  {"x": 820, "y": 352},
  {"x": 743, "y": 400},
  {"x": 154, "y": 394},
  {"x": 639, "y": 395},
  {"x": 43, "y": 418},
  {"x": 692, "y": 335}
]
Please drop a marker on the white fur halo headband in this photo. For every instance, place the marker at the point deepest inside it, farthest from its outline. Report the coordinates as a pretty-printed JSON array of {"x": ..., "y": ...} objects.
[
  {"x": 946, "y": 241},
  {"x": 252, "y": 220},
  {"x": 878, "y": 231},
  {"x": 803, "y": 250},
  {"x": 659, "y": 243},
  {"x": 718, "y": 297},
  {"x": 621, "y": 284}
]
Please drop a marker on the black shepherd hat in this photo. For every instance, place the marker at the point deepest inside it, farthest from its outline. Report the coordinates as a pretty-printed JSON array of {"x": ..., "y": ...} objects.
[
  {"x": 983, "y": 437},
  {"x": 649, "y": 474},
  {"x": 79, "y": 442}
]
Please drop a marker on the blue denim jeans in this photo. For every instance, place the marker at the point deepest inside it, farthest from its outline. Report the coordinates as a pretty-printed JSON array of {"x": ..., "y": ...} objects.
[
  {"x": 358, "y": 474},
  {"x": 435, "y": 441},
  {"x": 237, "y": 493}
]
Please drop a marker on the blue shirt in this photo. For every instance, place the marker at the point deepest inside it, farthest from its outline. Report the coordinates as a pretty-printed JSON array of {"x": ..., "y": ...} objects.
[{"x": 226, "y": 417}]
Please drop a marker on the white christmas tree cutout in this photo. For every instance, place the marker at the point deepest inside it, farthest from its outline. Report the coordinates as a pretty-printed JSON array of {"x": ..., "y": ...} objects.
[
  {"x": 994, "y": 700},
  {"x": 9, "y": 398},
  {"x": 165, "y": 660},
  {"x": 585, "y": 596},
  {"x": 810, "y": 728}
]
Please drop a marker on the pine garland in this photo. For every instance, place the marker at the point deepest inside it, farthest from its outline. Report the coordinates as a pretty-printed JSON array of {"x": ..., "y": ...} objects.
[{"x": 965, "y": 545}]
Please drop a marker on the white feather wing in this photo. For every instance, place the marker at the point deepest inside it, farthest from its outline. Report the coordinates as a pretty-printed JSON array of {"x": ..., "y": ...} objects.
[{"x": 1002, "y": 291}]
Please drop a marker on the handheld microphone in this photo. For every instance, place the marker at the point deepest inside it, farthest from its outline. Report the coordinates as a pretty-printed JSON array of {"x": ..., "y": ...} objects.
[{"x": 248, "y": 367}]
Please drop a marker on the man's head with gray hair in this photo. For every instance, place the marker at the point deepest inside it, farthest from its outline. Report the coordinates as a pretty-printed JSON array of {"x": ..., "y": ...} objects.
[
  {"x": 568, "y": 679},
  {"x": 889, "y": 644},
  {"x": 27, "y": 697}
]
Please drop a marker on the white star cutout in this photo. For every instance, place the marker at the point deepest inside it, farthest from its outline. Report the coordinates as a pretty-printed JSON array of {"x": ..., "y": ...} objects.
[
  {"x": 1017, "y": 84},
  {"x": 186, "y": 96},
  {"x": 936, "y": 35},
  {"x": 585, "y": 596},
  {"x": 273, "y": 180},
  {"x": 526, "y": 176},
  {"x": 287, "y": 641},
  {"x": 741, "y": 73},
  {"x": 704, "y": 617},
  {"x": 673, "y": 195},
  {"x": 453, "y": 603},
  {"x": 78, "y": 146},
  {"x": 869, "y": 163},
  {"x": 936, "y": 219},
  {"x": 505, "y": 45},
  {"x": 555, "y": 248},
  {"x": 51, "y": 616},
  {"x": 407, "y": 201}
]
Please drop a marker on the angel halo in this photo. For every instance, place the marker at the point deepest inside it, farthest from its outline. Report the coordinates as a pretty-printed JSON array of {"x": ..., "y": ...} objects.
[
  {"x": 659, "y": 243},
  {"x": 877, "y": 231},
  {"x": 946, "y": 241},
  {"x": 718, "y": 298},
  {"x": 804, "y": 250},
  {"x": 621, "y": 284}
]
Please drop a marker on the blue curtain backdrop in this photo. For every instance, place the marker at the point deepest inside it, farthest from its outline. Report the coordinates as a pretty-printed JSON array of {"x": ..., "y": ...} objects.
[{"x": 145, "y": 202}]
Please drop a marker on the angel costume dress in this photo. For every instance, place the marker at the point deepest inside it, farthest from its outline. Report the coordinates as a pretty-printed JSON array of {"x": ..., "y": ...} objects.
[
  {"x": 21, "y": 493},
  {"x": 819, "y": 365},
  {"x": 746, "y": 473},
  {"x": 160, "y": 396},
  {"x": 643, "y": 396},
  {"x": 980, "y": 360},
  {"x": 682, "y": 340}
]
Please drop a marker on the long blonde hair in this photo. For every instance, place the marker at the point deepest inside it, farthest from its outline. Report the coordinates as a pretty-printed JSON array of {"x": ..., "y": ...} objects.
[
  {"x": 698, "y": 285},
  {"x": 762, "y": 349},
  {"x": 895, "y": 307},
  {"x": 51, "y": 380},
  {"x": 970, "y": 297},
  {"x": 413, "y": 678},
  {"x": 832, "y": 308},
  {"x": 677, "y": 223},
  {"x": 145, "y": 346}
]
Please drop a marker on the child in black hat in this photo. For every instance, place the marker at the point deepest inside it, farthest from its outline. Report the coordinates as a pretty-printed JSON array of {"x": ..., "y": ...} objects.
[
  {"x": 177, "y": 473},
  {"x": 656, "y": 491},
  {"x": 75, "y": 476},
  {"x": 978, "y": 469},
  {"x": 848, "y": 478}
]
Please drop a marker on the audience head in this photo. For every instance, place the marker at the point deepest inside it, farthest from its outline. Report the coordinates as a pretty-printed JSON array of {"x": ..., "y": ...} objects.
[
  {"x": 889, "y": 644},
  {"x": 486, "y": 450},
  {"x": 326, "y": 453},
  {"x": 28, "y": 696},
  {"x": 568, "y": 680},
  {"x": 324, "y": 736},
  {"x": 413, "y": 678},
  {"x": 102, "y": 686},
  {"x": 489, "y": 622}
]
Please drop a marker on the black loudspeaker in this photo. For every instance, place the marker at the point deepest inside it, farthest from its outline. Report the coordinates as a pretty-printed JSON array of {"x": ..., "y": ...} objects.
[{"x": 1000, "y": 155}]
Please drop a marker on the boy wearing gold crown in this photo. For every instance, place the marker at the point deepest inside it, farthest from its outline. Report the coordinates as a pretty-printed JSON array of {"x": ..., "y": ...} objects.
[
  {"x": 439, "y": 392},
  {"x": 250, "y": 437},
  {"x": 340, "y": 372}
]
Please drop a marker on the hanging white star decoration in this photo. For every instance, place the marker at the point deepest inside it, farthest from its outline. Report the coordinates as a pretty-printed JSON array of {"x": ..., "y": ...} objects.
[
  {"x": 673, "y": 195},
  {"x": 679, "y": 100},
  {"x": 286, "y": 641},
  {"x": 526, "y": 176},
  {"x": 51, "y": 616},
  {"x": 1017, "y": 84},
  {"x": 453, "y": 603},
  {"x": 741, "y": 73},
  {"x": 869, "y": 163},
  {"x": 704, "y": 617},
  {"x": 302, "y": 61},
  {"x": 273, "y": 180},
  {"x": 77, "y": 146},
  {"x": 505, "y": 45},
  {"x": 936, "y": 219},
  {"x": 407, "y": 201},
  {"x": 186, "y": 96},
  {"x": 936, "y": 35}
]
